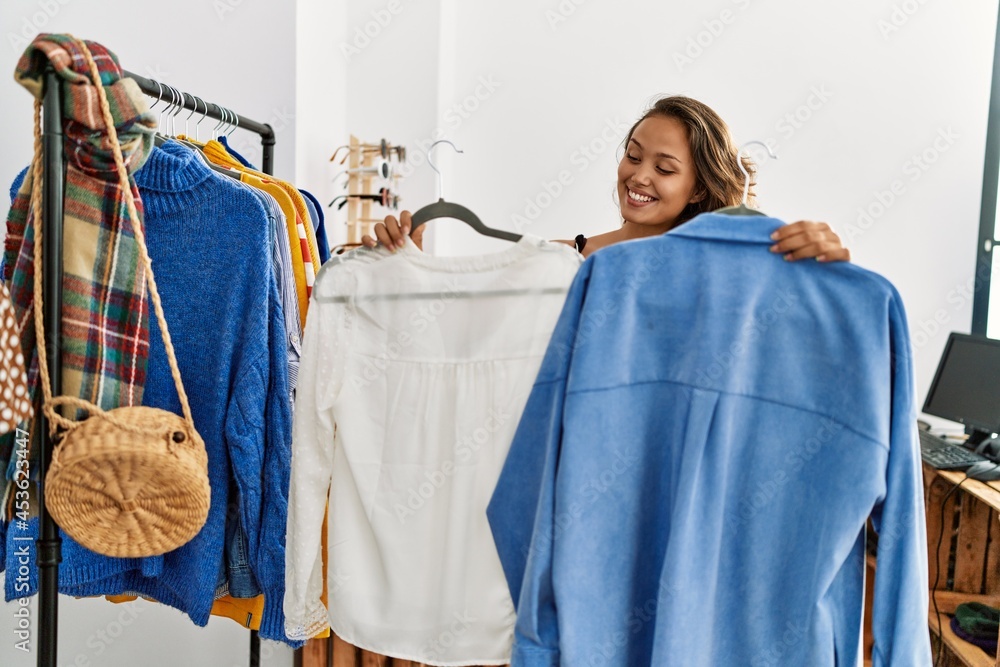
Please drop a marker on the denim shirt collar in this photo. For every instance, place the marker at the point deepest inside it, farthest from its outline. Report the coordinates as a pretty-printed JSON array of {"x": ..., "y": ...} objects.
[{"x": 725, "y": 227}]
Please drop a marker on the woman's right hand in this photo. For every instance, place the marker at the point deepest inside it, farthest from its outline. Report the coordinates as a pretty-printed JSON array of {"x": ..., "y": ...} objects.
[{"x": 392, "y": 233}]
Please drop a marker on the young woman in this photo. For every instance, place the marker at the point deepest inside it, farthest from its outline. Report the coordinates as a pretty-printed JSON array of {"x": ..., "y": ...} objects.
[{"x": 679, "y": 161}]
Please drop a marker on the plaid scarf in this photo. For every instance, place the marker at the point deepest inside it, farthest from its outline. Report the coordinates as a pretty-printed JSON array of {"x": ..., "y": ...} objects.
[{"x": 105, "y": 327}]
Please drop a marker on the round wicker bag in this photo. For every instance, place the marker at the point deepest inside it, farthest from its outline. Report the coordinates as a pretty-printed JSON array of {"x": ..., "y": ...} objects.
[
  {"x": 132, "y": 481},
  {"x": 123, "y": 494}
]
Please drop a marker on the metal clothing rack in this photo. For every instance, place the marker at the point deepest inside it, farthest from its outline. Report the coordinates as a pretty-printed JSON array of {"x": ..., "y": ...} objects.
[{"x": 49, "y": 544}]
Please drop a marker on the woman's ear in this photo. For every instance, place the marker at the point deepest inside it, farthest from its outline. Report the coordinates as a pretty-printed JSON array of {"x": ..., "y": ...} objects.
[{"x": 699, "y": 194}]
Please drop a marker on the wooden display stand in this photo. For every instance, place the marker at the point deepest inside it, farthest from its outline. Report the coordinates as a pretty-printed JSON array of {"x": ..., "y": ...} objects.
[{"x": 361, "y": 157}]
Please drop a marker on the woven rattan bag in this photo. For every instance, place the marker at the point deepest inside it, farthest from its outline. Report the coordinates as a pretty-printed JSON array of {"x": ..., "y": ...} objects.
[{"x": 128, "y": 482}]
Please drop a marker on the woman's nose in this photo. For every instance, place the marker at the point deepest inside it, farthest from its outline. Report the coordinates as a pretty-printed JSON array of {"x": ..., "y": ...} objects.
[{"x": 641, "y": 176}]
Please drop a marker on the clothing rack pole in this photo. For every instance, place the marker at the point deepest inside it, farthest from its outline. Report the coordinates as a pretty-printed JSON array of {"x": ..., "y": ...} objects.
[
  {"x": 49, "y": 544},
  {"x": 266, "y": 132}
]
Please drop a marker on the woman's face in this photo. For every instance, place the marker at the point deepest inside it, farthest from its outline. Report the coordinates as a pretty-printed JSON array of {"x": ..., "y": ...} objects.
[{"x": 656, "y": 177}]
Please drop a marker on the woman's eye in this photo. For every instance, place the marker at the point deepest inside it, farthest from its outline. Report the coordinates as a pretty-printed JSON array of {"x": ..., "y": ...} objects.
[
  {"x": 631, "y": 158},
  {"x": 665, "y": 172}
]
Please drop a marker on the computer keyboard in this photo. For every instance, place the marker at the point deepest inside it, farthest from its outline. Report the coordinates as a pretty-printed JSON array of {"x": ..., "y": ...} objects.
[{"x": 944, "y": 455}]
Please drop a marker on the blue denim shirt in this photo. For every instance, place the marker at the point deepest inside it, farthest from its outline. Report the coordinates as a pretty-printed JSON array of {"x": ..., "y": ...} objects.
[{"x": 691, "y": 478}]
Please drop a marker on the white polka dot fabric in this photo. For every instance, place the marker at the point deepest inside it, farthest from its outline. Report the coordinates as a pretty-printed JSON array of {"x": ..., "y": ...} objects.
[{"x": 14, "y": 403}]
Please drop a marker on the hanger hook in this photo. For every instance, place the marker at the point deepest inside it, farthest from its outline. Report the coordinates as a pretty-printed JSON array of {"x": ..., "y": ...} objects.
[
  {"x": 180, "y": 107},
  {"x": 218, "y": 123},
  {"x": 204, "y": 115},
  {"x": 434, "y": 167},
  {"x": 170, "y": 107},
  {"x": 159, "y": 95},
  {"x": 159, "y": 98},
  {"x": 739, "y": 163},
  {"x": 236, "y": 126},
  {"x": 161, "y": 119},
  {"x": 194, "y": 101}
]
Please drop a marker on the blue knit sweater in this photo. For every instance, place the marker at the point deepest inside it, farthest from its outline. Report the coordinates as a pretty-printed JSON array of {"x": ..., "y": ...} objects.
[{"x": 209, "y": 241}]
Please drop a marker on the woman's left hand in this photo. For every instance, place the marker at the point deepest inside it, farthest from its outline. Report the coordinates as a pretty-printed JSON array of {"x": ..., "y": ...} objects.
[{"x": 805, "y": 239}]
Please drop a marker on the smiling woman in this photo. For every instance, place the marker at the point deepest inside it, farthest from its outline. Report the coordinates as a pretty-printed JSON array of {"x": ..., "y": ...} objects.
[{"x": 680, "y": 160}]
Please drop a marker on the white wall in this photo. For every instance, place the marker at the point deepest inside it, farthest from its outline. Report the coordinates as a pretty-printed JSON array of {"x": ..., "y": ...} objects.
[
  {"x": 238, "y": 53},
  {"x": 321, "y": 105},
  {"x": 392, "y": 53},
  {"x": 529, "y": 90},
  {"x": 885, "y": 78}
]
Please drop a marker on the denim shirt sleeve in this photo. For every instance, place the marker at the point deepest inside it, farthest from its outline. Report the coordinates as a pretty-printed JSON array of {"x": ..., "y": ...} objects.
[{"x": 899, "y": 616}]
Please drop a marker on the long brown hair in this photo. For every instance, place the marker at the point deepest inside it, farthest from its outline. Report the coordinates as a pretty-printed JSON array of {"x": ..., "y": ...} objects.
[{"x": 717, "y": 173}]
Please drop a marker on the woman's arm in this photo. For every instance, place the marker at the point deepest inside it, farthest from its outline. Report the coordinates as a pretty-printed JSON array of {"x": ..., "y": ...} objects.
[
  {"x": 805, "y": 239},
  {"x": 800, "y": 240}
]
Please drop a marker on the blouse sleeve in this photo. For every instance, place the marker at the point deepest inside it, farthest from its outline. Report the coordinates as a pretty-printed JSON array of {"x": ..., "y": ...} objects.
[{"x": 312, "y": 466}]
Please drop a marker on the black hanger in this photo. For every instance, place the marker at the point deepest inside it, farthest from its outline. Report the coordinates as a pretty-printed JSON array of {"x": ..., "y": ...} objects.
[
  {"x": 446, "y": 209},
  {"x": 743, "y": 209}
]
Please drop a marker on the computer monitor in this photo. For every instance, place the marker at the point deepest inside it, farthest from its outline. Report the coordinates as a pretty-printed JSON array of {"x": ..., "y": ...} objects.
[{"x": 966, "y": 386}]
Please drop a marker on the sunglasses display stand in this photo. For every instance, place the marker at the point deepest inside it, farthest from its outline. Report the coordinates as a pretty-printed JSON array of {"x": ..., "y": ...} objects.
[{"x": 371, "y": 179}]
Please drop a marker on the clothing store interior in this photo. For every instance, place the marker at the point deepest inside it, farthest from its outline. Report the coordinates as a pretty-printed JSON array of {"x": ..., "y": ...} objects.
[{"x": 379, "y": 333}]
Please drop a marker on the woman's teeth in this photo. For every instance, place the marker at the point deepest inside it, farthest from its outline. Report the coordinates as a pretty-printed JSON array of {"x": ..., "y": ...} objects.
[{"x": 635, "y": 196}]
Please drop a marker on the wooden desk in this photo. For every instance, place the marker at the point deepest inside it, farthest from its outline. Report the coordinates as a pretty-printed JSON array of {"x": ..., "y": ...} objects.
[{"x": 970, "y": 550}]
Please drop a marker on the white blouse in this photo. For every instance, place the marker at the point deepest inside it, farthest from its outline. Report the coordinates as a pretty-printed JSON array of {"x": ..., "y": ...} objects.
[{"x": 415, "y": 371}]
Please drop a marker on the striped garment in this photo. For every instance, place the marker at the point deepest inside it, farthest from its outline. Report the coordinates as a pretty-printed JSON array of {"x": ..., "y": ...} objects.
[{"x": 105, "y": 329}]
